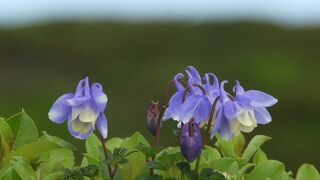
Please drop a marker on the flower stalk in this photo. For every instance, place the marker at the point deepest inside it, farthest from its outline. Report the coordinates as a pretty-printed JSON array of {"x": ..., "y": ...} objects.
[
  {"x": 206, "y": 135},
  {"x": 163, "y": 109},
  {"x": 159, "y": 119},
  {"x": 105, "y": 151}
]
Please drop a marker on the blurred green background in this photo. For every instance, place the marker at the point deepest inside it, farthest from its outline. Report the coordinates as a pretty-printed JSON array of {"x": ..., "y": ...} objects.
[{"x": 134, "y": 61}]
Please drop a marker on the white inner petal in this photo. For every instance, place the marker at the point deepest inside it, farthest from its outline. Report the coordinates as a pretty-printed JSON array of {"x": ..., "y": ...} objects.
[
  {"x": 79, "y": 126},
  {"x": 102, "y": 98},
  {"x": 75, "y": 112},
  {"x": 246, "y": 118},
  {"x": 88, "y": 113},
  {"x": 179, "y": 124},
  {"x": 247, "y": 129},
  {"x": 235, "y": 126}
]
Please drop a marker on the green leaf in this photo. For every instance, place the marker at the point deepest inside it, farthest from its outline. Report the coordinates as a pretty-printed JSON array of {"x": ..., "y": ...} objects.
[
  {"x": 90, "y": 170},
  {"x": 73, "y": 174},
  {"x": 54, "y": 162},
  {"x": 228, "y": 165},
  {"x": 23, "y": 128},
  {"x": 90, "y": 159},
  {"x": 35, "y": 149},
  {"x": 62, "y": 143},
  {"x": 118, "y": 156},
  {"x": 114, "y": 143},
  {"x": 165, "y": 161},
  {"x": 17, "y": 168},
  {"x": 158, "y": 165},
  {"x": 232, "y": 148},
  {"x": 148, "y": 150},
  {"x": 6, "y": 131},
  {"x": 92, "y": 144},
  {"x": 170, "y": 155},
  {"x": 185, "y": 168},
  {"x": 135, "y": 165},
  {"x": 4, "y": 149},
  {"x": 245, "y": 168},
  {"x": 207, "y": 156},
  {"x": 270, "y": 169},
  {"x": 10, "y": 173},
  {"x": 148, "y": 177},
  {"x": 168, "y": 159},
  {"x": 54, "y": 176},
  {"x": 259, "y": 157},
  {"x": 211, "y": 174},
  {"x": 308, "y": 171},
  {"x": 254, "y": 145}
]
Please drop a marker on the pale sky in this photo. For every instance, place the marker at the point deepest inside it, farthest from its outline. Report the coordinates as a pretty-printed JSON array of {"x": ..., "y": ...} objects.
[{"x": 287, "y": 12}]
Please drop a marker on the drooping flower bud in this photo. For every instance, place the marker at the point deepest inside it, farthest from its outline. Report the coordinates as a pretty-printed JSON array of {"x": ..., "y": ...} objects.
[
  {"x": 152, "y": 117},
  {"x": 190, "y": 140}
]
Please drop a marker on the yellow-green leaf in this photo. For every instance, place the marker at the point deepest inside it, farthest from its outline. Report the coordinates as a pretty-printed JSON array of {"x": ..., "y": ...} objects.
[{"x": 308, "y": 172}]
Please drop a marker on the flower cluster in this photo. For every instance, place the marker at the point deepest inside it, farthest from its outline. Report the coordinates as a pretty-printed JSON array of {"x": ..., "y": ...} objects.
[
  {"x": 84, "y": 110},
  {"x": 195, "y": 100}
]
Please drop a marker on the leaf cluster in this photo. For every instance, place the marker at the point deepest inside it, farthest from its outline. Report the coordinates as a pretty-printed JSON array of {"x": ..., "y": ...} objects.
[{"x": 26, "y": 155}]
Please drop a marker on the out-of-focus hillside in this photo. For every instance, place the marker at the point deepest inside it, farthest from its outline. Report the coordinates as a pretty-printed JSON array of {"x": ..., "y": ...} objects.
[{"x": 134, "y": 61}]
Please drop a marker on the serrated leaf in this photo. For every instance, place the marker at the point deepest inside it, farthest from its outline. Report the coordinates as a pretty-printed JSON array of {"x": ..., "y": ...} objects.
[
  {"x": 211, "y": 174},
  {"x": 169, "y": 157},
  {"x": 23, "y": 128},
  {"x": 271, "y": 169},
  {"x": 73, "y": 174},
  {"x": 308, "y": 171},
  {"x": 158, "y": 165},
  {"x": 254, "y": 145},
  {"x": 90, "y": 170},
  {"x": 148, "y": 150},
  {"x": 232, "y": 148},
  {"x": 186, "y": 170}
]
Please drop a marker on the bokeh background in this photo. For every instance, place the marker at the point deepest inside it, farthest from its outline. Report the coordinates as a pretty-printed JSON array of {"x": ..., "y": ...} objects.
[{"x": 133, "y": 51}]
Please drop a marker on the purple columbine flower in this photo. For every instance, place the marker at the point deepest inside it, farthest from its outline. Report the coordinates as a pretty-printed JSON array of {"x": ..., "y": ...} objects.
[
  {"x": 195, "y": 101},
  {"x": 197, "y": 105},
  {"x": 84, "y": 110},
  {"x": 190, "y": 141},
  {"x": 242, "y": 113},
  {"x": 175, "y": 102}
]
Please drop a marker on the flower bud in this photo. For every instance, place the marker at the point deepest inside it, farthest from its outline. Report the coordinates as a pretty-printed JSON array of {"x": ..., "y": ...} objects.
[
  {"x": 190, "y": 141},
  {"x": 152, "y": 117}
]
